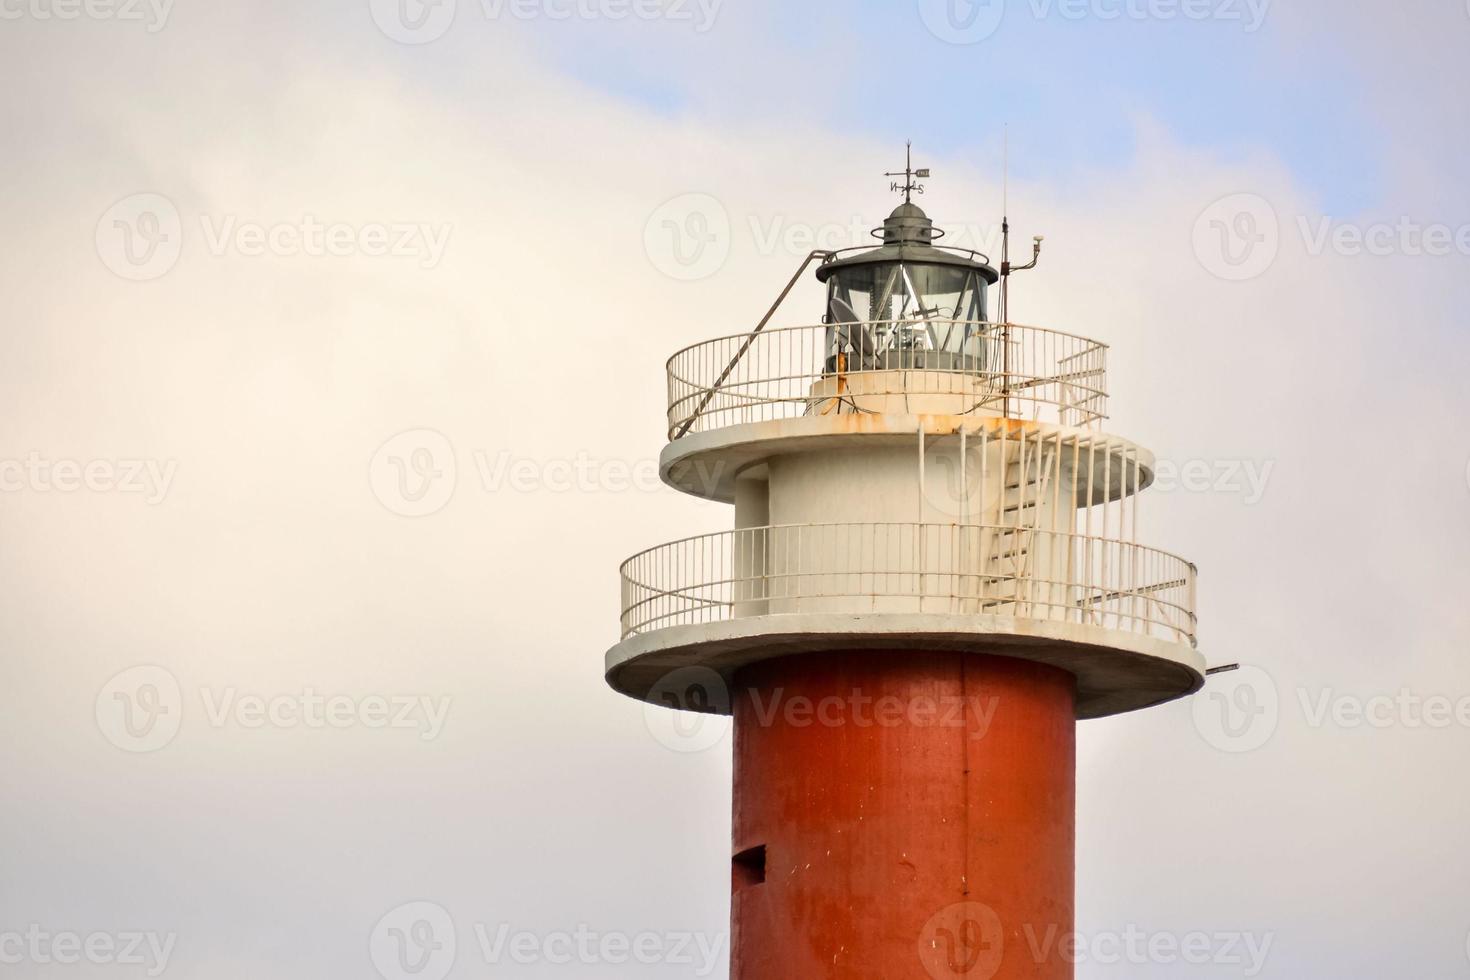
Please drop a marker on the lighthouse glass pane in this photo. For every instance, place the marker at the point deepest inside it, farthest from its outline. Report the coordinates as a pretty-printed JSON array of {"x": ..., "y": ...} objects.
[{"x": 906, "y": 314}]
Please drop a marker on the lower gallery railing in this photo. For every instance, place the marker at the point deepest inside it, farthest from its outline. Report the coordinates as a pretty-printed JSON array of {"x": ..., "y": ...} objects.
[{"x": 1019, "y": 572}]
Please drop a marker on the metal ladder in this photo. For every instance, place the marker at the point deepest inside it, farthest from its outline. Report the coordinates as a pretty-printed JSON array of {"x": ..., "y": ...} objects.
[{"x": 1008, "y": 562}]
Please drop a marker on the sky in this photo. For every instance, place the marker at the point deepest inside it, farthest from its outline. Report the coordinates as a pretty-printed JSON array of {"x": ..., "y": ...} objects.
[{"x": 258, "y": 253}]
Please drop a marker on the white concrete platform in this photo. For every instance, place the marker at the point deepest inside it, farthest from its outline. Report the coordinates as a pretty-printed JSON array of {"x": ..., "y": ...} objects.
[
  {"x": 707, "y": 464},
  {"x": 1117, "y": 671}
]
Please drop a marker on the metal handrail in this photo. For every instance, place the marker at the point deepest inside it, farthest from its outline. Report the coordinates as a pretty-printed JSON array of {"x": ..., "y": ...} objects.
[
  {"x": 750, "y": 339},
  {"x": 1006, "y": 369},
  {"x": 1018, "y": 572}
]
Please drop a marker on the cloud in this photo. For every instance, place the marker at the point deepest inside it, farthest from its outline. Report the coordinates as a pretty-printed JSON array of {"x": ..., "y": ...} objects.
[{"x": 271, "y": 381}]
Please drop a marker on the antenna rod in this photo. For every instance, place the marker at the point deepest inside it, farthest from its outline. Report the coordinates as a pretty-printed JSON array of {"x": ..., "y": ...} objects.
[
  {"x": 1005, "y": 222},
  {"x": 1005, "y": 268},
  {"x": 1005, "y": 311}
]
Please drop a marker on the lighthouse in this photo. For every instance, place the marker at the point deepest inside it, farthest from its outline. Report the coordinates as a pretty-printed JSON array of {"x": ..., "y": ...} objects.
[{"x": 934, "y": 571}]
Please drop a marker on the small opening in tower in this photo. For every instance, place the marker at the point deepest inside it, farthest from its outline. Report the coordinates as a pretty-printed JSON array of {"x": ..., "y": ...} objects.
[{"x": 748, "y": 868}]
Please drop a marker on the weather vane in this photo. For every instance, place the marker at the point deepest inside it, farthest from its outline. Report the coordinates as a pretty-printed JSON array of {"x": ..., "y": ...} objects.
[{"x": 909, "y": 175}]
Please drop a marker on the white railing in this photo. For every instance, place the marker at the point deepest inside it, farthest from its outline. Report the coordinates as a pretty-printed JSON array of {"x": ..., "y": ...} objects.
[
  {"x": 1023, "y": 573},
  {"x": 944, "y": 366}
]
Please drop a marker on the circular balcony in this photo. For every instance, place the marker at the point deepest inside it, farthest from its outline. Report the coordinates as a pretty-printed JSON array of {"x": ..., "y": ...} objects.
[
  {"x": 941, "y": 367},
  {"x": 1118, "y": 615}
]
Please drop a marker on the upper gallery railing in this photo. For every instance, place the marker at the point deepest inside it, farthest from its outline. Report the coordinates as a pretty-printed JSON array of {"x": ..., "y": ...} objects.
[{"x": 888, "y": 367}]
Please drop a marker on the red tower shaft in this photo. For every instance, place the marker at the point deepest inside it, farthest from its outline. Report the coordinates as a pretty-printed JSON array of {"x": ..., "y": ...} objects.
[{"x": 903, "y": 815}]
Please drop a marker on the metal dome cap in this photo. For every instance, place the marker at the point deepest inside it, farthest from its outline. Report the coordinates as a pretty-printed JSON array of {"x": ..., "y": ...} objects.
[{"x": 908, "y": 235}]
